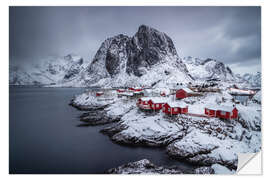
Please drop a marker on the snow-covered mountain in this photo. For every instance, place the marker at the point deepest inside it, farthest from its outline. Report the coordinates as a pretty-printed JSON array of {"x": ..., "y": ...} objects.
[
  {"x": 253, "y": 79},
  {"x": 52, "y": 70},
  {"x": 147, "y": 58},
  {"x": 208, "y": 69}
]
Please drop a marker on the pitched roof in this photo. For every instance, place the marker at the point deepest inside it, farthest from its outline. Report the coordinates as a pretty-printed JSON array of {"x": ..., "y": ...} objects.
[
  {"x": 188, "y": 90},
  {"x": 241, "y": 91},
  {"x": 222, "y": 108},
  {"x": 126, "y": 93},
  {"x": 159, "y": 100},
  {"x": 146, "y": 98},
  {"x": 177, "y": 104}
]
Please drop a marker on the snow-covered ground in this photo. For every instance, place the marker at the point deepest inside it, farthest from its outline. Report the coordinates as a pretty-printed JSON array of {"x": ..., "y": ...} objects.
[{"x": 204, "y": 141}]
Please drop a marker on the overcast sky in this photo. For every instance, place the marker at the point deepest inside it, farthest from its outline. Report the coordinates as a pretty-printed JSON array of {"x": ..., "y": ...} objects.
[{"x": 229, "y": 34}]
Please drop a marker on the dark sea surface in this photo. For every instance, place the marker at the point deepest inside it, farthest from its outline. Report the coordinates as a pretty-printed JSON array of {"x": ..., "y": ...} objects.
[{"x": 44, "y": 137}]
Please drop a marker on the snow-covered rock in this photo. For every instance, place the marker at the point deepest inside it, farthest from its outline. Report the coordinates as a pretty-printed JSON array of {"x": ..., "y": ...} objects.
[
  {"x": 88, "y": 101},
  {"x": 143, "y": 166},
  {"x": 253, "y": 79},
  {"x": 204, "y": 149},
  {"x": 208, "y": 69},
  {"x": 140, "y": 128},
  {"x": 219, "y": 169},
  {"x": 258, "y": 97},
  {"x": 199, "y": 140},
  {"x": 204, "y": 170}
]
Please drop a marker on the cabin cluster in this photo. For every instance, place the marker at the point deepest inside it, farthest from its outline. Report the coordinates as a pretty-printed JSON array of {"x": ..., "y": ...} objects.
[
  {"x": 159, "y": 103},
  {"x": 131, "y": 92},
  {"x": 179, "y": 107},
  {"x": 158, "y": 100}
]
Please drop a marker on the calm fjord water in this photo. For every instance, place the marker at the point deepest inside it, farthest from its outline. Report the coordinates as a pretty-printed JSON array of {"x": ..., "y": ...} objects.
[{"x": 44, "y": 137}]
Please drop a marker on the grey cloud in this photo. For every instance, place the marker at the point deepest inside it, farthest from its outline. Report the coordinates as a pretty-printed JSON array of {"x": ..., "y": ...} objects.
[{"x": 229, "y": 34}]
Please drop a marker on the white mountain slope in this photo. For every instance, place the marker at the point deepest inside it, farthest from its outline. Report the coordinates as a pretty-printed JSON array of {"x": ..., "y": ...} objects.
[
  {"x": 53, "y": 70},
  {"x": 253, "y": 79},
  {"x": 208, "y": 69}
]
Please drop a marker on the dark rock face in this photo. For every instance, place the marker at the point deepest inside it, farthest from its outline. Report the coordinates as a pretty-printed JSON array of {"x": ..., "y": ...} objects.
[
  {"x": 73, "y": 71},
  {"x": 123, "y": 54},
  {"x": 116, "y": 49},
  {"x": 147, "y": 48}
]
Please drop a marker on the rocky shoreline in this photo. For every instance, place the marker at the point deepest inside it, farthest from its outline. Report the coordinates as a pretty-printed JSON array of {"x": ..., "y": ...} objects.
[
  {"x": 209, "y": 143},
  {"x": 145, "y": 166}
]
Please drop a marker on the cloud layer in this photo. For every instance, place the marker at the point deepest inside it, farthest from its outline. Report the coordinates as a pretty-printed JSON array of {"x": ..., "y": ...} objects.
[{"x": 229, "y": 34}]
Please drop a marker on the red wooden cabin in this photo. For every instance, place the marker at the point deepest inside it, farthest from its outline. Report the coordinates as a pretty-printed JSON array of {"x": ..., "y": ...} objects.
[
  {"x": 144, "y": 103},
  {"x": 120, "y": 90},
  {"x": 135, "y": 89},
  {"x": 184, "y": 92},
  {"x": 99, "y": 93},
  {"x": 223, "y": 112},
  {"x": 157, "y": 103},
  {"x": 174, "y": 108}
]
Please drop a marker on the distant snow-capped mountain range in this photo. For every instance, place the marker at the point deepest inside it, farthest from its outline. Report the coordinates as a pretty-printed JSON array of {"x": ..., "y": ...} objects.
[
  {"x": 52, "y": 70},
  {"x": 148, "y": 58}
]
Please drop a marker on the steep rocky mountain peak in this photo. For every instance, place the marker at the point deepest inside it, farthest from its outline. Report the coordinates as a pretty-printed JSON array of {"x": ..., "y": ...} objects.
[{"x": 134, "y": 56}]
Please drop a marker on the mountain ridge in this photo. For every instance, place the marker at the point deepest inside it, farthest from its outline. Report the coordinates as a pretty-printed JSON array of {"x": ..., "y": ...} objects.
[{"x": 148, "y": 58}]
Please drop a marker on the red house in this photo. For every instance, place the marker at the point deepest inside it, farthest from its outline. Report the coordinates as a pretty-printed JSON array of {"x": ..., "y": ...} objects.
[
  {"x": 184, "y": 92},
  {"x": 99, "y": 93},
  {"x": 144, "y": 103},
  {"x": 157, "y": 103},
  {"x": 120, "y": 90},
  {"x": 174, "y": 108},
  {"x": 222, "y": 112},
  {"x": 135, "y": 89}
]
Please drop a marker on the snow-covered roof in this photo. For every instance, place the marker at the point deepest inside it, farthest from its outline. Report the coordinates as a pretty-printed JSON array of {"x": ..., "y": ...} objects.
[
  {"x": 126, "y": 93},
  {"x": 222, "y": 108},
  {"x": 159, "y": 100},
  {"x": 177, "y": 104},
  {"x": 146, "y": 98},
  {"x": 188, "y": 90},
  {"x": 137, "y": 88},
  {"x": 241, "y": 91},
  {"x": 137, "y": 92}
]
